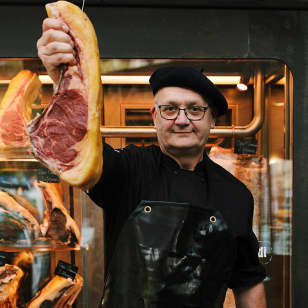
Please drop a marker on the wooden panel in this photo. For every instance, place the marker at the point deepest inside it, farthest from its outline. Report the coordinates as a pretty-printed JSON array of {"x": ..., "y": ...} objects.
[
  {"x": 124, "y": 108},
  {"x": 115, "y": 100}
]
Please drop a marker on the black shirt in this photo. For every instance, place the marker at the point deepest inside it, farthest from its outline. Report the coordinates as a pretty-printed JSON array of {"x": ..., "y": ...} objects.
[{"x": 133, "y": 174}]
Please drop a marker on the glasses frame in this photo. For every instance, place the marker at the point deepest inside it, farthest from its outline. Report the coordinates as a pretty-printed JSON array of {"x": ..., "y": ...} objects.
[{"x": 205, "y": 108}]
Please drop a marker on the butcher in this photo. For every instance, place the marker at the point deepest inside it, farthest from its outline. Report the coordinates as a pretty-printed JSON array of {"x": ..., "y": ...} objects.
[{"x": 178, "y": 227}]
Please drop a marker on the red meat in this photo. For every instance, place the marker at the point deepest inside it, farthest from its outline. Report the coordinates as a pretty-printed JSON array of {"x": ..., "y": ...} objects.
[{"x": 66, "y": 137}]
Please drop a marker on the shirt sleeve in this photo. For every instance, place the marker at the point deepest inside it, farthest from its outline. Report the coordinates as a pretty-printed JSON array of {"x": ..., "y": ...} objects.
[
  {"x": 248, "y": 271},
  {"x": 113, "y": 177}
]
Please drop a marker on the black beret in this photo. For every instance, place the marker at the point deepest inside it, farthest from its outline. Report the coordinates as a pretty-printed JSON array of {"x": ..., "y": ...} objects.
[{"x": 189, "y": 78}]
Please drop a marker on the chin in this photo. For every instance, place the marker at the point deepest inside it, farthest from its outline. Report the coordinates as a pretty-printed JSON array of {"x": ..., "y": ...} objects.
[
  {"x": 183, "y": 146},
  {"x": 184, "y": 143}
]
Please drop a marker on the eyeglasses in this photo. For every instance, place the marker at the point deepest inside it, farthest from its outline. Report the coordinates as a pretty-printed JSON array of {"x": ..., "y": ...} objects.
[{"x": 193, "y": 113}]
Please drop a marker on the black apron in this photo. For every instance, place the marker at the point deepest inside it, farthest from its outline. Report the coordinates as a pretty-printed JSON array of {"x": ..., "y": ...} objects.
[{"x": 170, "y": 255}]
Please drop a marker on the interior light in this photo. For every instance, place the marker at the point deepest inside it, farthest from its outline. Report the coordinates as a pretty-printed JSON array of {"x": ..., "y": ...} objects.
[
  {"x": 282, "y": 81},
  {"x": 274, "y": 160},
  {"x": 242, "y": 86},
  {"x": 243, "y": 82},
  {"x": 141, "y": 79},
  {"x": 106, "y": 79},
  {"x": 225, "y": 80},
  {"x": 45, "y": 79},
  {"x": 122, "y": 79},
  {"x": 5, "y": 81}
]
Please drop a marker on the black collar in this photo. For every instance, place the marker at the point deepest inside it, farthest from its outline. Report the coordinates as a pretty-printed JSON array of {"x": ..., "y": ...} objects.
[{"x": 171, "y": 164}]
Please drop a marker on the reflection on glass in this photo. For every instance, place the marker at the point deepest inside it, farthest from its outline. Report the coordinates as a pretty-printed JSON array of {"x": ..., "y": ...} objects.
[
  {"x": 265, "y": 252},
  {"x": 31, "y": 210},
  {"x": 262, "y": 161},
  {"x": 225, "y": 120},
  {"x": 138, "y": 117}
]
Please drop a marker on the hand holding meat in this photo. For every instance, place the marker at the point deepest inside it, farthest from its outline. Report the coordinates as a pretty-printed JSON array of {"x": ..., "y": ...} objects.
[
  {"x": 55, "y": 47},
  {"x": 66, "y": 136}
]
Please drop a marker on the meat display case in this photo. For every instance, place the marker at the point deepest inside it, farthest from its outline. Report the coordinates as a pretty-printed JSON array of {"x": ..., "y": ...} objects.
[
  {"x": 252, "y": 142},
  {"x": 38, "y": 255},
  {"x": 50, "y": 255}
]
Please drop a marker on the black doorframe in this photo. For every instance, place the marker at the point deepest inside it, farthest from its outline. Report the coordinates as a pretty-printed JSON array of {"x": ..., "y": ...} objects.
[{"x": 215, "y": 33}]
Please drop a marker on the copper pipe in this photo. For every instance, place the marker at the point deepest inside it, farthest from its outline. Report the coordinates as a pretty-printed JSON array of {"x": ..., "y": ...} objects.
[
  {"x": 287, "y": 112},
  {"x": 256, "y": 123},
  {"x": 128, "y": 131},
  {"x": 236, "y": 131}
]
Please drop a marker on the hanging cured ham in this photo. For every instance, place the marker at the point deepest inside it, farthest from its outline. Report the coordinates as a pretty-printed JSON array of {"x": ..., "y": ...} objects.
[
  {"x": 66, "y": 137},
  {"x": 57, "y": 223},
  {"x": 10, "y": 279},
  {"x": 16, "y": 110},
  {"x": 24, "y": 260},
  {"x": 17, "y": 224},
  {"x": 60, "y": 292}
]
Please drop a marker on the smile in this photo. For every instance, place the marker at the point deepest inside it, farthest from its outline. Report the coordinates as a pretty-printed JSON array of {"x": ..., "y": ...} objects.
[{"x": 182, "y": 132}]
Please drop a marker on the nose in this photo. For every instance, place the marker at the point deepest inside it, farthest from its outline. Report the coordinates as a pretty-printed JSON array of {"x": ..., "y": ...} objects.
[{"x": 182, "y": 118}]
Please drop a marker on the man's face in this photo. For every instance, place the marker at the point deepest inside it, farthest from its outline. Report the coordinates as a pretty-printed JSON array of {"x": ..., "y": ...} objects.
[{"x": 181, "y": 135}]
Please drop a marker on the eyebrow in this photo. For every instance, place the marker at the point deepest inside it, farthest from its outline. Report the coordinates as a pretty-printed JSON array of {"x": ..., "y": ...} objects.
[{"x": 191, "y": 103}]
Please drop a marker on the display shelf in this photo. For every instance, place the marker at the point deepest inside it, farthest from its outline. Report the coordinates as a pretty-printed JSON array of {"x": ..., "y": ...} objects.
[
  {"x": 32, "y": 278},
  {"x": 23, "y": 153},
  {"x": 37, "y": 248},
  {"x": 40, "y": 227}
]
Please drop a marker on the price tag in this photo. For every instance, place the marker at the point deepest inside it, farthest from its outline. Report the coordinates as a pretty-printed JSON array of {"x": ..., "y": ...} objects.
[
  {"x": 245, "y": 146},
  {"x": 45, "y": 175},
  {"x": 66, "y": 270},
  {"x": 265, "y": 252}
]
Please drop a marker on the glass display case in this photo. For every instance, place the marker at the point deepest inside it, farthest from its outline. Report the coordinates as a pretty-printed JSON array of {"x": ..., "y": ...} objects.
[{"x": 52, "y": 233}]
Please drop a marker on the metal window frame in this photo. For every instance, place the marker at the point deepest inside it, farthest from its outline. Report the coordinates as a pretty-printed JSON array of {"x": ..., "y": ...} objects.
[{"x": 221, "y": 32}]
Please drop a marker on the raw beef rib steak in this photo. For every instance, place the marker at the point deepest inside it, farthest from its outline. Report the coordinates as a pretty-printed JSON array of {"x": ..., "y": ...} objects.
[
  {"x": 66, "y": 136},
  {"x": 16, "y": 110}
]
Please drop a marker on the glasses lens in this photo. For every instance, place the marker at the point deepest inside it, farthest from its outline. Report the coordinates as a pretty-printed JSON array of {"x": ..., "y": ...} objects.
[
  {"x": 195, "y": 112},
  {"x": 168, "y": 112}
]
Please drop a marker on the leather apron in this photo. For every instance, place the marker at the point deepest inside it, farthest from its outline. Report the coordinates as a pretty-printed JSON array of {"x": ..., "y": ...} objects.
[{"x": 170, "y": 255}]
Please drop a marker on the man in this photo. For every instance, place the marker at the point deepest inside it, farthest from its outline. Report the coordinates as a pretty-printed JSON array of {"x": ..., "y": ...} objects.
[{"x": 178, "y": 227}]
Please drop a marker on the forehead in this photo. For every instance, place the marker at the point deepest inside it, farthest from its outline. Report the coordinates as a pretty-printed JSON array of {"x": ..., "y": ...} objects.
[{"x": 179, "y": 96}]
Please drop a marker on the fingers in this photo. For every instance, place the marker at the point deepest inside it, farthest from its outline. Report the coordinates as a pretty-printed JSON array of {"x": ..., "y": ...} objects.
[
  {"x": 55, "y": 24},
  {"x": 56, "y": 51},
  {"x": 55, "y": 35},
  {"x": 53, "y": 62},
  {"x": 55, "y": 46}
]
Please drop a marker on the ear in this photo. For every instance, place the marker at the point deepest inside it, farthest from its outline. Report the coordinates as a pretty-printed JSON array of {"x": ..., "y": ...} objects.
[
  {"x": 153, "y": 112},
  {"x": 213, "y": 121}
]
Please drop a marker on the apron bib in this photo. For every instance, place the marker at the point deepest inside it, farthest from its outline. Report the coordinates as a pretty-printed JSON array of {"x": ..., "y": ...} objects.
[{"x": 170, "y": 255}]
